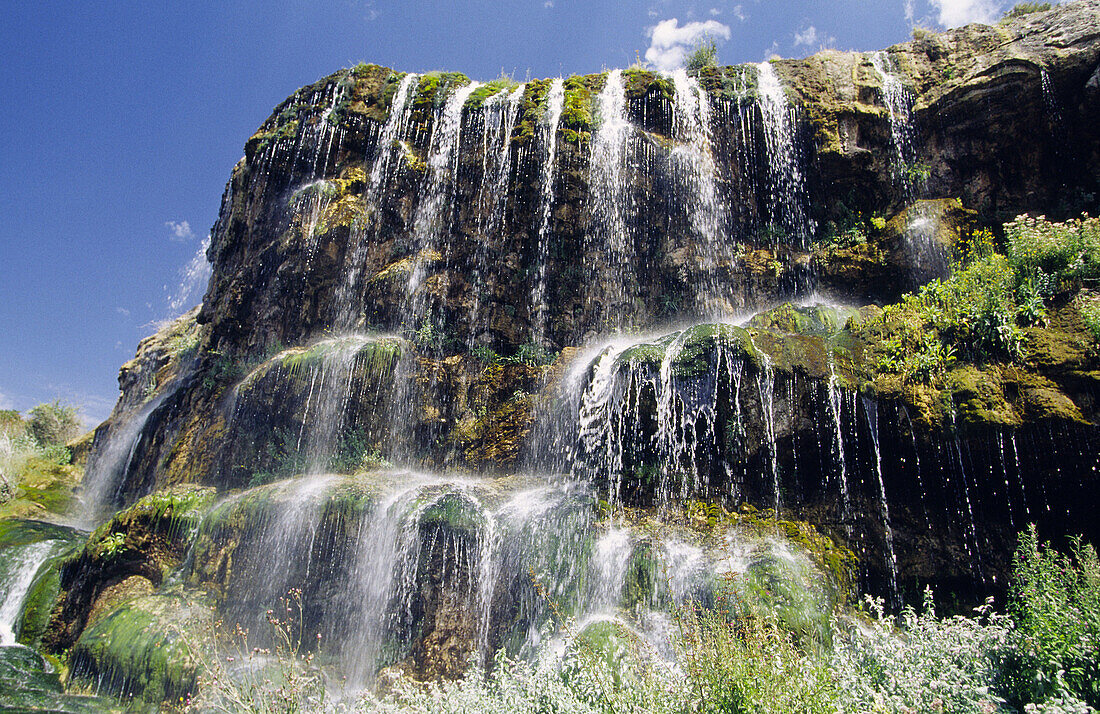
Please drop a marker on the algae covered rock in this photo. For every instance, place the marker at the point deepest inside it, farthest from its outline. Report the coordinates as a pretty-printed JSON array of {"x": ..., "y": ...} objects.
[
  {"x": 147, "y": 648},
  {"x": 28, "y": 683}
]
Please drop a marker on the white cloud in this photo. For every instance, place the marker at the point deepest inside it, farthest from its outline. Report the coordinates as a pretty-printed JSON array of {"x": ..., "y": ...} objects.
[
  {"x": 806, "y": 37},
  {"x": 548, "y": 4},
  {"x": 6, "y": 402},
  {"x": 122, "y": 311},
  {"x": 909, "y": 12},
  {"x": 180, "y": 231},
  {"x": 955, "y": 13},
  {"x": 773, "y": 51},
  {"x": 811, "y": 37},
  {"x": 670, "y": 44},
  {"x": 739, "y": 13},
  {"x": 715, "y": 12}
]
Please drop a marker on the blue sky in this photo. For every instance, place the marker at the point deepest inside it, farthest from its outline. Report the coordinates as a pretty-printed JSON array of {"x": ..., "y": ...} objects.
[{"x": 120, "y": 122}]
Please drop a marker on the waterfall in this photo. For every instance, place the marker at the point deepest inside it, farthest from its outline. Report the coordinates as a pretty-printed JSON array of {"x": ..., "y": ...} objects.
[
  {"x": 899, "y": 105},
  {"x": 610, "y": 239},
  {"x": 548, "y": 132},
  {"x": 786, "y": 198},
  {"x": 381, "y": 172},
  {"x": 500, "y": 112},
  {"x": 696, "y": 173},
  {"x": 433, "y": 215},
  {"x": 109, "y": 465},
  {"x": 15, "y": 581},
  {"x": 870, "y": 410}
]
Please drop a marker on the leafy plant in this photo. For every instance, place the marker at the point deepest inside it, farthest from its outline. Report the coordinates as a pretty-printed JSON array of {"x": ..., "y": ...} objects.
[
  {"x": 704, "y": 54},
  {"x": 1055, "y": 601},
  {"x": 1090, "y": 314},
  {"x": 54, "y": 423}
]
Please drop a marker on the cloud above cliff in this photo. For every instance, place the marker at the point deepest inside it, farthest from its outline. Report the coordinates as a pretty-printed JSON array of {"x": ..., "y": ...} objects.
[
  {"x": 6, "y": 402},
  {"x": 955, "y": 13},
  {"x": 671, "y": 43},
  {"x": 179, "y": 231}
]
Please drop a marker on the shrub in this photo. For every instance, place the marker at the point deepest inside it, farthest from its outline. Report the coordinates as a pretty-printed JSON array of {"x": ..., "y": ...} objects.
[
  {"x": 705, "y": 54},
  {"x": 1055, "y": 256},
  {"x": 1026, "y": 8},
  {"x": 1055, "y": 601},
  {"x": 1090, "y": 314},
  {"x": 923, "y": 663},
  {"x": 53, "y": 424}
]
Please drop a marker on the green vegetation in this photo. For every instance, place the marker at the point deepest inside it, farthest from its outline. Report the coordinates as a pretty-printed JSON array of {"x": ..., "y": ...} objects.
[
  {"x": 36, "y": 474},
  {"x": 704, "y": 54},
  {"x": 1042, "y": 657},
  {"x": 979, "y": 311},
  {"x": 1026, "y": 8},
  {"x": 1056, "y": 607},
  {"x": 529, "y": 354},
  {"x": 54, "y": 424}
]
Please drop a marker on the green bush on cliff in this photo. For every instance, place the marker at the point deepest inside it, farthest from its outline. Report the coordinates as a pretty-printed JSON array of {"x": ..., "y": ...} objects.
[
  {"x": 979, "y": 311},
  {"x": 1054, "y": 257},
  {"x": 705, "y": 54}
]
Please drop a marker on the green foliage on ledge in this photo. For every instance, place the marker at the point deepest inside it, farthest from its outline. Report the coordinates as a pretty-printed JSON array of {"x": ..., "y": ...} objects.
[{"x": 979, "y": 313}]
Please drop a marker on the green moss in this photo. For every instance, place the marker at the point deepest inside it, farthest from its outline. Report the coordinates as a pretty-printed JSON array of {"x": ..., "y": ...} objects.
[
  {"x": 639, "y": 82},
  {"x": 28, "y": 683},
  {"x": 576, "y": 115},
  {"x": 478, "y": 96},
  {"x": 820, "y": 320},
  {"x": 145, "y": 648},
  {"x": 41, "y": 597},
  {"x": 434, "y": 87},
  {"x": 454, "y": 513},
  {"x": 641, "y": 584}
]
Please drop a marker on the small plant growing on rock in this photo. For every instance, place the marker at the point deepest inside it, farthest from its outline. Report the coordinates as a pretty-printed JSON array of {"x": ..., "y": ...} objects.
[{"x": 705, "y": 54}]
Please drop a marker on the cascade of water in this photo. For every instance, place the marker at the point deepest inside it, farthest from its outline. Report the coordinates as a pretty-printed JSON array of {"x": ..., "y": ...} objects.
[
  {"x": 381, "y": 172},
  {"x": 383, "y": 580},
  {"x": 972, "y": 526},
  {"x": 1050, "y": 99},
  {"x": 1020, "y": 475},
  {"x": 917, "y": 469},
  {"x": 548, "y": 133},
  {"x": 610, "y": 237},
  {"x": 108, "y": 466},
  {"x": 598, "y": 450},
  {"x": 609, "y": 563},
  {"x": 899, "y": 105},
  {"x": 500, "y": 113},
  {"x": 282, "y": 546},
  {"x": 870, "y": 410},
  {"x": 15, "y": 581},
  {"x": 695, "y": 171},
  {"x": 326, "y": 413},
  {"x": 787, "y": 200},
  {"x": 836, "y": 401},
  {"x": 433, "y": 215}
]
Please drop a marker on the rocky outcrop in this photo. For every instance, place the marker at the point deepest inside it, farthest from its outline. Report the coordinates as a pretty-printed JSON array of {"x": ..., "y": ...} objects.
[{"x": 413, "y": 269}]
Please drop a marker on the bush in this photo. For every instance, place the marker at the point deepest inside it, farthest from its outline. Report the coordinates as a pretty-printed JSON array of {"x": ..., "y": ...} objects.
[
  {"x": 705, "y": 54},
  {"x": 922, "y": 663},
  {"x": 1055, "y": 601},
  {"x": 54, "y": 424},
  {"x": 1090, "y": 314},
  {"x": 1055, "y": 256},
  {"x": 1026, "y": 8}
]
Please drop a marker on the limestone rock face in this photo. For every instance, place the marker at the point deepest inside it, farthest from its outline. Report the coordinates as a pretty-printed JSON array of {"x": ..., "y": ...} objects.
[{"x": 613, "y": 278}]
